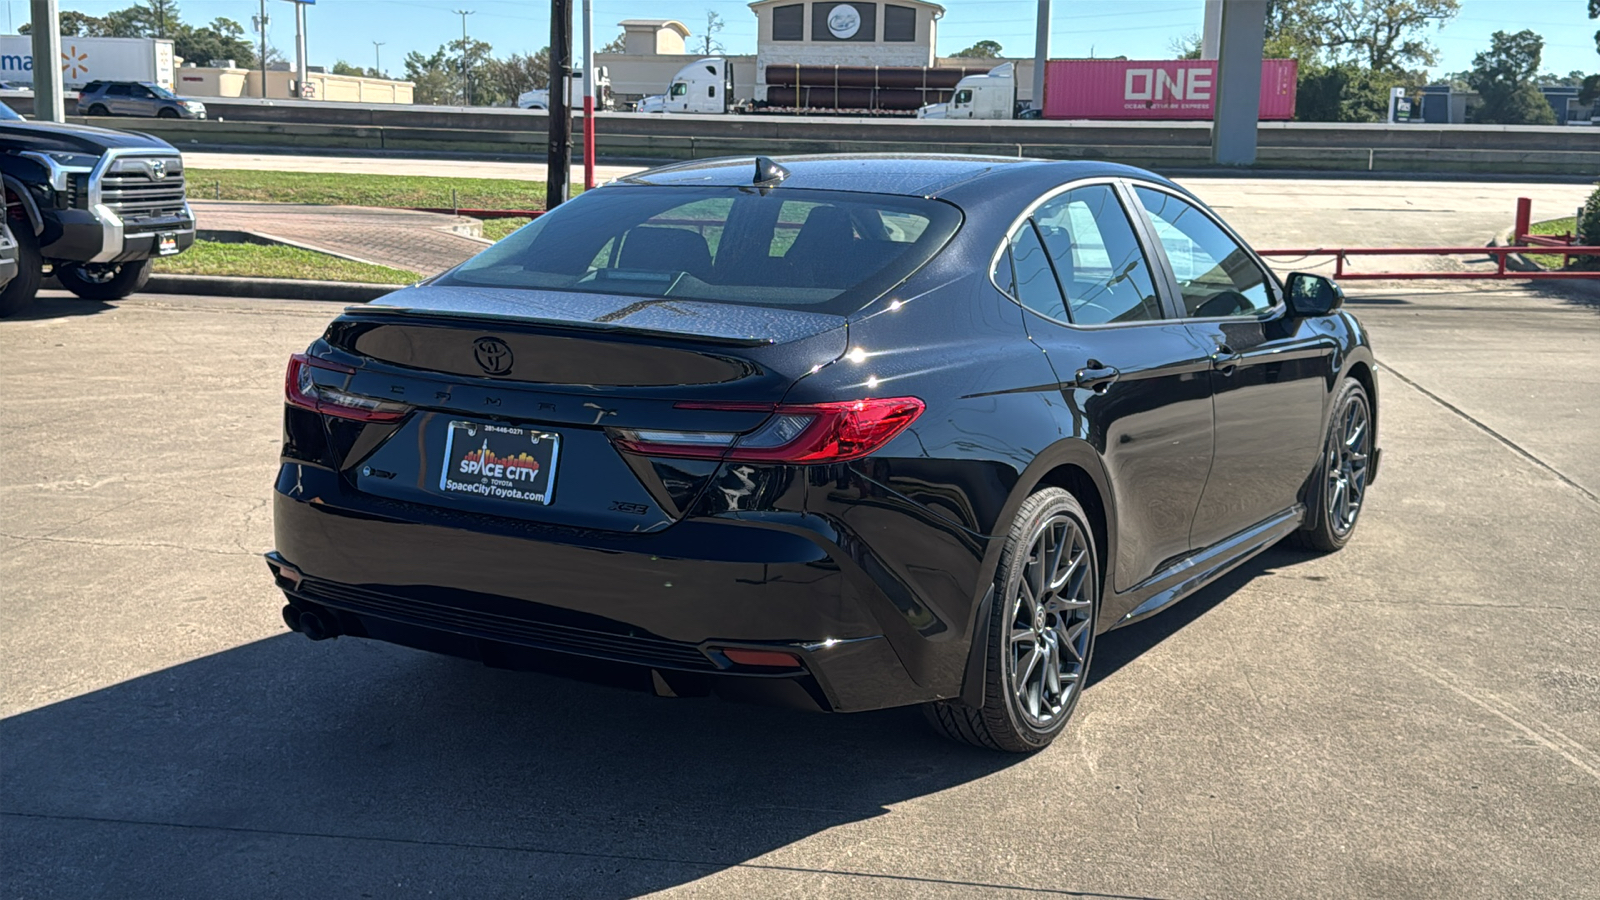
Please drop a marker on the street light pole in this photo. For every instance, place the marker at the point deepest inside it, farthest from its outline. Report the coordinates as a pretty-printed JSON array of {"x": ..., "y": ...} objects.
[
  {"x": 261, "y": 22},
  {"x": 558, "y": 158},
  {"x": 466, "y": 84},
  {"x": 377, "y": 58}
]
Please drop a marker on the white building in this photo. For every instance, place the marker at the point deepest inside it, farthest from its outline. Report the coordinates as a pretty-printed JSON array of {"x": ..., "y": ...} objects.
[{"x": 808, "y": 33}]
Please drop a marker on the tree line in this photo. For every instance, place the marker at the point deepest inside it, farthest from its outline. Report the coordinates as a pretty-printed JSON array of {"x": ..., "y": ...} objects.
[{"x": 223, "y": 38}]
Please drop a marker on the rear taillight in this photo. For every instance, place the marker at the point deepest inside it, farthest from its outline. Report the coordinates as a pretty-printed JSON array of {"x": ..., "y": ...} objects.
[
  {"x": 795, "y": 433},
  {"x": 300, "y": 389}
]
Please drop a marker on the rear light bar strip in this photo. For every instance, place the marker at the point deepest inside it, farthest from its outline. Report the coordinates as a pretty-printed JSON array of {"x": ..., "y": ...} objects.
[
  {"x": 805, "y": 433},
  {"x": 299, "y": 389}
]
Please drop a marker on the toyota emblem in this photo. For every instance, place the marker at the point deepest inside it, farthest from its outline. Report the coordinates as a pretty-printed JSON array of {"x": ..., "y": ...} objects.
[{"x": 493, "y": 355}]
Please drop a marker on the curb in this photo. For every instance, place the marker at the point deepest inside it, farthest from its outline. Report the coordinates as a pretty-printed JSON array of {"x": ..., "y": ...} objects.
[{"x": 268, "y": 288}]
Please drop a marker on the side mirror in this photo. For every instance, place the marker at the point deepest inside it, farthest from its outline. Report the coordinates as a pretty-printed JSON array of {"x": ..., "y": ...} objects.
[{"x": 1313, "y": 295}]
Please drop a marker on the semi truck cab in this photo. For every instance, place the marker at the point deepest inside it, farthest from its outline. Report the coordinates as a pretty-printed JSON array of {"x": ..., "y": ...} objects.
[
  {"x": 992, "y": 95},
  {"x": 704, "y": 86}
]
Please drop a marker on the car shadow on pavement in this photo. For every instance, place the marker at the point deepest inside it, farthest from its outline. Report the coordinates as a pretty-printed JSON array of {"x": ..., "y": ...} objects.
[
  {"x": 56, "y": 306},
  {"x": 1115, "y": 649},
  {"x": 290, "y": 768}
]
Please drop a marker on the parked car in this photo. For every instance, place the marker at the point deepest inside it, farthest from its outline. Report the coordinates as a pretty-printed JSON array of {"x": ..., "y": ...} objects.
[
  {"x": 136, "y": 98},
  {"x": 92, "y": 206},
  {"x": 846, "y": 432}
]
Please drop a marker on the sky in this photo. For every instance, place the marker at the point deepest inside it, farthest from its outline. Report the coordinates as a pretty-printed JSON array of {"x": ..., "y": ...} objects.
[{"x": 1138, "y": 29}]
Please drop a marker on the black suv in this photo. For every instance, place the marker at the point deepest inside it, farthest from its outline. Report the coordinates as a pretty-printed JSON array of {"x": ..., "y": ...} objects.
[{"x": 92, "y": 204}]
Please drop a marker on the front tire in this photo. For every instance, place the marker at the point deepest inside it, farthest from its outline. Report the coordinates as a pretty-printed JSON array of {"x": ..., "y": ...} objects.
[
  {"x": 167, "y": 113},
  {"x": 104, "y": 281},
  {"x": 20, "y": 290},
  {"x": 1338, "y": 487},
  {"x": 1040, "y": 632}
]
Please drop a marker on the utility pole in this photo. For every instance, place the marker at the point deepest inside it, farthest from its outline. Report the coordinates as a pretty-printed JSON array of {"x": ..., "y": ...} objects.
[
  {"x": 47, "y": 105},
  {"x": 299, "y": 49},
  {"x": 261, "y": 23},
  {"x": 377, "y": 57},
  {"x": 590, "y": 73},
  {"x": 466, "y": 84},
  {"x": 1041, "y": 54},
  {"x": 558, "y": 161}
]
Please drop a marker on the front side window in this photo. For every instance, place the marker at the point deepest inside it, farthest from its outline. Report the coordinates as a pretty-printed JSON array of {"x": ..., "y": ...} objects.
[
  {"x": 680, "y": 89},
  {"x": 1097, "y": 259},
  {"x": 1216, "y": 276},
  {"x": 820, "y": 251},
  {"x": 117, "y": 90},
  {"x": 963, "y": 96}
]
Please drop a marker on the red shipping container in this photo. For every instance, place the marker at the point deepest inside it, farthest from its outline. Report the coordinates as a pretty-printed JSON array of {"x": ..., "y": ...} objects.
[{"x": 1155, "y": 89}]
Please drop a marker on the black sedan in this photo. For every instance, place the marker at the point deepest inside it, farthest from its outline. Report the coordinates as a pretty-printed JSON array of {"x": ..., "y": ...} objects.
[{"x": 843, "y": 432}]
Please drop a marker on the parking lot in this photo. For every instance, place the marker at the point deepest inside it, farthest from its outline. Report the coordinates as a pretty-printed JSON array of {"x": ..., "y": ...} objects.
[{"x": 1412, "y": 717}]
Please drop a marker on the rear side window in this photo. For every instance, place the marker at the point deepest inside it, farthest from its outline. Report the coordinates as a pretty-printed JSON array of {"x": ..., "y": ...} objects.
[
  {"x": 797, "y": 249},
  {"x": 1097, "y": 259},
  {"x": 117, "y": 90},
  {"x": 1215, "y": 274}
]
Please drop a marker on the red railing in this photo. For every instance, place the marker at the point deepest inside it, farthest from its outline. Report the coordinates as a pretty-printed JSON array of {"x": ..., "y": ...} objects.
[
  {"x": 1340, "y": 254},
  {"x": 1565, "y": 246}
]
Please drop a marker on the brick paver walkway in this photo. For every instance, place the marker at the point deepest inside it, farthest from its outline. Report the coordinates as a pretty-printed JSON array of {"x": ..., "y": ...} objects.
[{"x": 415, "y": 241}]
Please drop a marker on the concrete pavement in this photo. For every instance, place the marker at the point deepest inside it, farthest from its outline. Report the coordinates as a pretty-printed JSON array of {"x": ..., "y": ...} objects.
[{"x": 1411, "y": 717}]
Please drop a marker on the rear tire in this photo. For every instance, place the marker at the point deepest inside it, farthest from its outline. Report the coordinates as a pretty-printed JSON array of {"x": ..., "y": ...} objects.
[
  {"x": 1338, "y": 487},
  {"x": 104, "y": 282},
  {"x": 20, "y": 291},
  {"x": 98, "y": 110},
  {"x": 1040, "y": 632}
]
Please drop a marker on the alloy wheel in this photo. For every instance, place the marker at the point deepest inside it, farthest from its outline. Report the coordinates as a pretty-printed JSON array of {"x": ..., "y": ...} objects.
[
  {"x": 1349, "y": 448},
  {"x": 1051, "y": 622}
]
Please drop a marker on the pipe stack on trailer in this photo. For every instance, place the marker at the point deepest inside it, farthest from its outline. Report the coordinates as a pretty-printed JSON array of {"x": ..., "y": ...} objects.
[{"x": 887, "y": 88}]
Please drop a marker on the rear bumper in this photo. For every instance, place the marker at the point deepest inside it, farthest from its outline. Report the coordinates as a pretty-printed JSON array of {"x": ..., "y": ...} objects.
[{"x": 655, "y": 609}]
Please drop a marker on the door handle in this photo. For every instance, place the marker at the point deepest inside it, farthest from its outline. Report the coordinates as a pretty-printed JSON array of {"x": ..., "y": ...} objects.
[
  {"x": 1096, "y": 377},
  {"x": 1224, "y": 360}
]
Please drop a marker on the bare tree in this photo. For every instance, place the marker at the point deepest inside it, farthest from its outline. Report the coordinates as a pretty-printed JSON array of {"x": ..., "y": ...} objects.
[{"x": 710, "y": 45}]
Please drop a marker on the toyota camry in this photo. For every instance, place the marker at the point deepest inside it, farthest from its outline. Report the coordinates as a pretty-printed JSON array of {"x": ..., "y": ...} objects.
[{"x": 841, "y": 432}]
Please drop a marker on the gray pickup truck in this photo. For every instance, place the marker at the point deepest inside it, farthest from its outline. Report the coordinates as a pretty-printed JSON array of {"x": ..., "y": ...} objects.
[{"x": 91, "y": 206}]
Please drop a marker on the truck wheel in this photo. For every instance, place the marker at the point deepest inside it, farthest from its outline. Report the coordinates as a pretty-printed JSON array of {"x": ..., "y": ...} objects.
[
  {"x": 104, "y": 281},
  {"x": 98, "y": 110},
  {"x": 20, "y": 291}
]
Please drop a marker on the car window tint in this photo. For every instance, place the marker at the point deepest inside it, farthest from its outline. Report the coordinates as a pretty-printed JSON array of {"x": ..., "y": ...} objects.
[
  {"x": 1036, "y": 286},
  {"x": 1216, "y": 276},
  {"x": 1102, "y": 269},
  {"x": 799, "y": 249},
  {"x": 117, "y": 90}
]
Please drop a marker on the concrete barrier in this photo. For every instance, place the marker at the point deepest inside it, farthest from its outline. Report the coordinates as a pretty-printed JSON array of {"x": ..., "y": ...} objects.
[{"x": 1437, "y": 149}]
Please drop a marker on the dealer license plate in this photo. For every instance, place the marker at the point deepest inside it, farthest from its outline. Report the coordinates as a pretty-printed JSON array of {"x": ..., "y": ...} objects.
[
  {"x": 166, "y": 244},
  {"x": 500, "y": 462}
]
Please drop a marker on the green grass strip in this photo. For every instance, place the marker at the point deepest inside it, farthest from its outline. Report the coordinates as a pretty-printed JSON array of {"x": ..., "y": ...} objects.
[
  {"x": 1552, "y": 227},
  {"x": 346, "y": 189},
  {"x": 275, "y": 261}
]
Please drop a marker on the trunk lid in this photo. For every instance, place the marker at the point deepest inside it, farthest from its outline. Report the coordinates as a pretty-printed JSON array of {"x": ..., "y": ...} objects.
[{"x": 500, "y": 375}]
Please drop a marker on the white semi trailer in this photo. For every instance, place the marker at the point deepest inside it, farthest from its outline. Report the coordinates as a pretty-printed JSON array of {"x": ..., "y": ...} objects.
[
  {"x": 86, "y": 59},
  {"x": 539, "y": 98}
]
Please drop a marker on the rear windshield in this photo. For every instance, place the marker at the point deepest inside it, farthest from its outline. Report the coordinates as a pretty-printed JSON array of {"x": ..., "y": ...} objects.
[{"x": 819, "y": 251}]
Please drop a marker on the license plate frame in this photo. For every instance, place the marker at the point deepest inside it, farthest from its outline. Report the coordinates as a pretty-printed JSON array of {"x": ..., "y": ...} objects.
[
  {"x": 500, "y": 471},
  {"x": 166, "y": 243}
]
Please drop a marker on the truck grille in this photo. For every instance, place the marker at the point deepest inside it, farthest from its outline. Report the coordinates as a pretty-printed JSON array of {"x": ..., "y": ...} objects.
[{"x": 141, "y": 187}]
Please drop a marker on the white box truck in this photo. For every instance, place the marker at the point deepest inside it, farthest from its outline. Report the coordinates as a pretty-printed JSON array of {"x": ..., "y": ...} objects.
[{"x": 86, "y": 59}]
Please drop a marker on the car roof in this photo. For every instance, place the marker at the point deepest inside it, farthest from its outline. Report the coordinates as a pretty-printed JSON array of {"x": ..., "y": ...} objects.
[{"x": 920, "y": 175}]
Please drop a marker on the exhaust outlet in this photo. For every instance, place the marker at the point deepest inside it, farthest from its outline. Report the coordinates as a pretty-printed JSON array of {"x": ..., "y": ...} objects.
[{"x": 316, "y": 624}]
